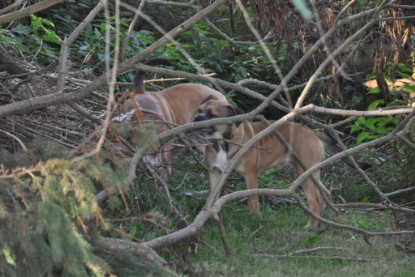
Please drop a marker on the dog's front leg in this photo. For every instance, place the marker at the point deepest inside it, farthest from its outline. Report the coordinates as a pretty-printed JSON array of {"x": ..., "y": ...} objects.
[
  {"x": 252, "y": 183},
  {"x": 214, "y": 174}
]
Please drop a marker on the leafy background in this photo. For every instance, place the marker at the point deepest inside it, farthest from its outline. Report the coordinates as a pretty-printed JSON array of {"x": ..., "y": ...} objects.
[{"x": 51, "y": 223}]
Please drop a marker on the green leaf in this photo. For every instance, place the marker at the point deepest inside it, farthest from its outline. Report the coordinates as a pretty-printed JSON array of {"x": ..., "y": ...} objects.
[
  {"x": 375, "y": 104},
  {"x": 355, "y": 128},
  {"x": 365, "y": 199},
  {"x": 362, "y": 223},
  {"x": 103, "y": 26},
  {"x": 362, "y": 137},
  {"x": 360, "y": 121},
  {"x": 36, "y": 23},
  {"x": 374, "y": 90},
  {"x": 22, "y": 30},
  {"x": 408, "y": 88},
  {"x": 405, "y": 68},
  {"x": 46, "y": 21},
  {"x": 370, "y": 123},
  {"x": 51, "y": 36}
]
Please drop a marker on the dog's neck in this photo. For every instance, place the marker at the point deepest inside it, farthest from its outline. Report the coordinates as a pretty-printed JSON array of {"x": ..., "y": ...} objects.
[{"x": 230, "y": 140}]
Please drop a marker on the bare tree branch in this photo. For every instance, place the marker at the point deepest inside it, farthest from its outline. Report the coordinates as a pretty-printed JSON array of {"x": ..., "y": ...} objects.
[
  {"x": 135, "y": 248},
  {"x": 63, "y": 58},
  {"x": 28, "y": 11},
  {"x": 130, "y": 29},
  {"x": 11, "y": 7}
]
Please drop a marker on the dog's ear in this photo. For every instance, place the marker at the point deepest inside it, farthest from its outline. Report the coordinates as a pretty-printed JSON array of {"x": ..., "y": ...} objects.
[
  {"x": 235, "y": 111},
  {"x": 118, "y": 98},
  {"x": 210, "y": 97},
  {"x": 138, "y": 83}
]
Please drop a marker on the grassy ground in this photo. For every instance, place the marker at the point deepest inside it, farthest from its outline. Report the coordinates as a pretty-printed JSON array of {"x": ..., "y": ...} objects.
[{"x": 276, "y": 242}]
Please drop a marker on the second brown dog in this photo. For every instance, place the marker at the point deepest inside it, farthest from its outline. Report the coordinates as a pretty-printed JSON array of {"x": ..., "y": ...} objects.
[{"x": 227, "y": 139}]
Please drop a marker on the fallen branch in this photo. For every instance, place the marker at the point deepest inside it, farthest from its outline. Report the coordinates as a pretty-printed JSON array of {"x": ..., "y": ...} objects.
[
  {"x": 28, "y": 11},
  {"x": 134, "y": 248},
  {"x": 11, "y": 7},
  {"x": 333, "y": 258},
  {"x": 372, "y": 206}
]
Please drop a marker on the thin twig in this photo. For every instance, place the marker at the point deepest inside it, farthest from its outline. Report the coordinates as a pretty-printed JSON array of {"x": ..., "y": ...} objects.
[
  {"x": 223, "y": 236},
  {"x": 130, "y": 29},
  {"x": 64, "y": 54},
  {"x": 165, "y": 186},
  {"x": 15, "y": 138},
  {"x": 334, "y": 258}
]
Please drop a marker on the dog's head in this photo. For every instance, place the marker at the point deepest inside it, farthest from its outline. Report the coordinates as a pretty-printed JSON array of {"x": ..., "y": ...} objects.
[{"x": 210, "y": 109}]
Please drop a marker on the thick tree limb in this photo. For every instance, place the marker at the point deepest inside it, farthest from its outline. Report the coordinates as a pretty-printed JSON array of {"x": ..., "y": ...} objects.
[
  {"x": 135, "y": 248},
  {"x": 28, "y": 11},
  {"x": 11, "y": 7}
]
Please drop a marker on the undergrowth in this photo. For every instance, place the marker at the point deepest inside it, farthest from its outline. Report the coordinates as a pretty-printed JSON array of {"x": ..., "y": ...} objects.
[{"x": 276, "y": 242}]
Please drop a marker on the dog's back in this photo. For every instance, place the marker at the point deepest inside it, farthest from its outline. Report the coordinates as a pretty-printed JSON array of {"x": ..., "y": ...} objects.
[
  {"x": 172, "y": 106},
  {"x": 271, "y": 150},
  {"x": 184, "y": 100}
]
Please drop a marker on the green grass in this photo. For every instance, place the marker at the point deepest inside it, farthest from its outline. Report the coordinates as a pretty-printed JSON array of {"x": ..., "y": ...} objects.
[
  {"x": 277, "y": 244},
  {"x": 274, "y": 243}
]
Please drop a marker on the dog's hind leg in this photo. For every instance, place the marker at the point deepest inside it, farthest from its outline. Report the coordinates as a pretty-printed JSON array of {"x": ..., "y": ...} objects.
[
  {"x": 252, "y": 183},
  {"x": 314, "y": 199}
]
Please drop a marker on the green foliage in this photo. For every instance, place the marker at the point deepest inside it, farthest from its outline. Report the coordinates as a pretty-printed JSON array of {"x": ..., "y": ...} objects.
[
  {"x": 41, "y": 27},
  {"x": 68, "y": 16},
  {"x": 49, "y": 220},
  {"x": 218, "y": 55},
  {"x": 52, "y": 247},
  {"x": 40, "y": 229},
  {"x": 213, "y": 52},
  {"x": 39, "y": 150},
  {"x": 90, "y": 49},
  {"x": 47, "y": 209},
  {"x": 372, "y": 128},
  {"x": 39, "y": 39}
]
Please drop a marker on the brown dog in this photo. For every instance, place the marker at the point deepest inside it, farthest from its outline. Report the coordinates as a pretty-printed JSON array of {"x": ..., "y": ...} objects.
[
  {"x": 229, "y": 138},
  {"x": 172, "y": 106}
]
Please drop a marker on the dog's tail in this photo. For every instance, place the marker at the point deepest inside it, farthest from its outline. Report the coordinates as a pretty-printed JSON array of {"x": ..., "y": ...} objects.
[
  {"x": 138, "y": 83},
  {"x": 334, "y": 148}
]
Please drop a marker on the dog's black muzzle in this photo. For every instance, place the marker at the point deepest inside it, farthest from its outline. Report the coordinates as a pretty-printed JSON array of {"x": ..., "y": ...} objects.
[
  {"x": 206, "y": 130},
  {"x": 199, "y": 117}
]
